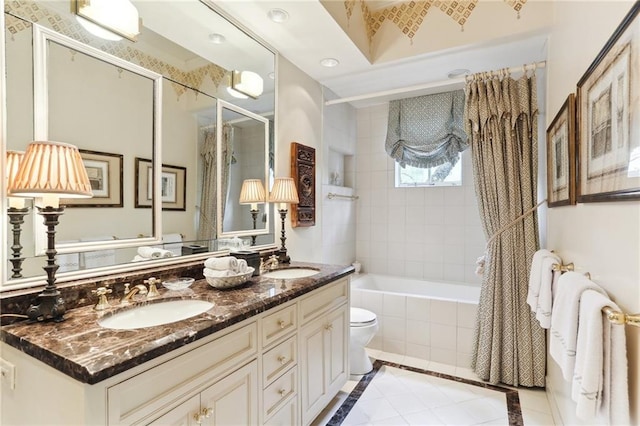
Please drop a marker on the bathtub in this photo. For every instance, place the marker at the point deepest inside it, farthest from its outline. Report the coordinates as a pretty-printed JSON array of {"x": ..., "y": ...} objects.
[{"x": 428, "y": 320}]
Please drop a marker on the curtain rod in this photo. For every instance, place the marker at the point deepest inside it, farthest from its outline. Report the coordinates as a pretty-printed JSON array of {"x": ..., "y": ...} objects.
[{"x": 447, "y": 82}]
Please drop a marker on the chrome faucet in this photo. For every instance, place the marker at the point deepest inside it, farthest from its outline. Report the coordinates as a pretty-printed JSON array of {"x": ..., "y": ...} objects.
[
  {"x": 269, "y": 265},
  {"x": 128, "y": 294}
]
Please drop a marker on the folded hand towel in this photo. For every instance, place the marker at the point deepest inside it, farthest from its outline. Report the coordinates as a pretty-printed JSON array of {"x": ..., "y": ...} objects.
[
  {"x": 564, "y": 319},
  {"x": 599, "y": 385},
  {"x": 548, "y": 281},
  {"x": 218, "y": 274},
  {"x": 153, "y": 253},
  {"x": 222, "y": 263},
  {"x": 539, "y": 275}
]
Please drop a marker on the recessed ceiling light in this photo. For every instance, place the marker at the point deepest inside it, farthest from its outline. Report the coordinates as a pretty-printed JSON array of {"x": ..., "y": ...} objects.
[
  {"x": 216, "y": 38},
  {"x": 458, "y": 73},
  {"x": 278, "y": 15},
  {"x": 329, "y": 62}
]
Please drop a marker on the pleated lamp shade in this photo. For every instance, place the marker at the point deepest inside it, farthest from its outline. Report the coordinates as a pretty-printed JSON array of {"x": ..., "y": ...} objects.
[
  {"x": 252, "y": 192},
  {"x": 51, "y": 169},
  {"x": 284, "y": 191},
  {"x": 13, "y": 162}
]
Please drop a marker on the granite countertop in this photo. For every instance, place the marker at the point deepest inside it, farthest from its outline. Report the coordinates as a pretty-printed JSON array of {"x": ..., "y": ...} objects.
[{"x": 89, "y": 353}]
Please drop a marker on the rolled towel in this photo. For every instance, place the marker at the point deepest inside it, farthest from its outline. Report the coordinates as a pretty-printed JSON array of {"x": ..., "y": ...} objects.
[
  {"x": 138, "y": 258},
  {"x": 242, "y": 266},
  {"x": 153, "y": 252},
  {"x": 222, "y": 263},
  {"x": 214, "y": 273}
]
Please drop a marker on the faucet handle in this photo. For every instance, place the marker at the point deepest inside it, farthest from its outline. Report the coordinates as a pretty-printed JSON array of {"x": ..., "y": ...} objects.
[
  {"x": 153, "y": 290},
  {"x": 103, "y": 303}
]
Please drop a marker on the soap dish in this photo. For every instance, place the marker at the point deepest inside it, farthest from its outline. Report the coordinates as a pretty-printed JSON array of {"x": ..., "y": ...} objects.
[{"x": 178, "y": 283}]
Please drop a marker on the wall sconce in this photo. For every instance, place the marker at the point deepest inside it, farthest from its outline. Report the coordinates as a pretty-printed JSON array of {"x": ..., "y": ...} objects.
[
  {"x": 50, "y": 171},
  {"x": 283, "y": 192},
  {"x": 108, "y": 19},
  {"x": 253, "y": 193},
  {"x": 16, "y": 213},
  {"x": 245, "y": 84}
]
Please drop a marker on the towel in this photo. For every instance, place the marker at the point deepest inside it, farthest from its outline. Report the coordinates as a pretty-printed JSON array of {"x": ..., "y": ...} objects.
[
  {"x": 222, "y": 263},
  {"x": 548, "y": 282},
  {"x": 153, "y": 253},
  {"x": 599, "y": 385},
  {"x": 215, "y": 273},
  {"x": 564, "y": 319},
  {"x": 98, "y": 258},
  {"x": 173, "y": 243},
  {"x": 242, "y": 267},
  {"x": 540, "y": 275},
  {"x": 138, "y": 258}
]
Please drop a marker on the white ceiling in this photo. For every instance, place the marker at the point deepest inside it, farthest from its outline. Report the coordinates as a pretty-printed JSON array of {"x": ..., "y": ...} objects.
[{"x": 311, "y": 34}]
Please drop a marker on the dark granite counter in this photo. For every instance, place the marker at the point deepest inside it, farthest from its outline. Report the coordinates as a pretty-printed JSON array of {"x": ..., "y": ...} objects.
[{"x": 82, "y": 349}]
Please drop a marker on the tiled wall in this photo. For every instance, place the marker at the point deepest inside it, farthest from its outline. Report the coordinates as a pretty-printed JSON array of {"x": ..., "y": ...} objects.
[
  {"x": 425, "y": 233},
  {"x": 430, "y": 329}
]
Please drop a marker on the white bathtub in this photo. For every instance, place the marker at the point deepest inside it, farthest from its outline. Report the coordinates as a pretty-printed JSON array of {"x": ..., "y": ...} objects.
[{"x": 423, "y": 319}]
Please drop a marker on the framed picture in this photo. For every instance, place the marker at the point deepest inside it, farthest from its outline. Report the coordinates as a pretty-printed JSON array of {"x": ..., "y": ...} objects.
[
  {"x": 174, "y": 185},
  {"x": 105, "y": 175},
  {"x": 609, "y": 118},
  {"x": 561, "y": 156}
]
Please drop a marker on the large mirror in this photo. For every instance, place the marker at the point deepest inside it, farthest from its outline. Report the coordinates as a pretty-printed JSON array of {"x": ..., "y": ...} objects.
[{"x": 87, "y": 98}]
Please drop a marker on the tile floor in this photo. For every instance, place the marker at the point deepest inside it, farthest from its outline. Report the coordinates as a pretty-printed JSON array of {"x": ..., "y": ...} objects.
[{"x": 406, "y": 396}]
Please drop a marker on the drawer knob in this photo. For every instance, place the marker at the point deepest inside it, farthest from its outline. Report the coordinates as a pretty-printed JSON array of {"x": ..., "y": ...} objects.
[
  {"x": 205, "y": 413},
  {"x": 208, "y": 411},
  {"x": 281, "y": 323},
  {"x": 282, "y": 359},
  {"x": 282, "y": 391}
]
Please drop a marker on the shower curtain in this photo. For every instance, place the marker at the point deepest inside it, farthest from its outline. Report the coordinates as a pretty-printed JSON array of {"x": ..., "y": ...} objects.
[
  {"x": 501, "y": 121},
  {"x": 207, "y": 225}
]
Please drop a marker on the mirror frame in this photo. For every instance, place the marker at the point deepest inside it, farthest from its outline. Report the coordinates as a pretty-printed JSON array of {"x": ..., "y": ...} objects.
[
  {"x": 41, "y": 37},
  {"x": 219, "y": 128}
]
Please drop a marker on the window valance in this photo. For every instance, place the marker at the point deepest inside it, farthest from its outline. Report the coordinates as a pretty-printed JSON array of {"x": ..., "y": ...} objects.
[{"x": 427, "y": 131}]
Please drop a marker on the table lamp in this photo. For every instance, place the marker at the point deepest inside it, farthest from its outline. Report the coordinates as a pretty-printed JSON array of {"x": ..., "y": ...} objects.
[
  {"x": 253, "y": 193},
  {"x": 16, "y": 213},
  {"x": 283, "y": 192}
]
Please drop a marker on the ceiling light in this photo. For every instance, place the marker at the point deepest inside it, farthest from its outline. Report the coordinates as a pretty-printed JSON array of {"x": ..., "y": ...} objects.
[
  {"x": 278, "y": 15},
  {"x": 329, "y": 62},
  {"x": 246, "y": 83},
  {"x": 108, "y": 17},
  {"x": 216, "y": 38},
  {"x": 459, "y": 72}
]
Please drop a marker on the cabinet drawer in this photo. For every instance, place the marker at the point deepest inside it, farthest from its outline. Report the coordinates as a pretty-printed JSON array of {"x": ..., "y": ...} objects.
[
  {"x": 286, "y": 416},
  {"x": 278, "y": 324},
  {"x": 277, "y": 394},
  {"x": 154, "y": 389},
  {"x": 278, "y": 360},
  {"x": 323, "y": 300}
]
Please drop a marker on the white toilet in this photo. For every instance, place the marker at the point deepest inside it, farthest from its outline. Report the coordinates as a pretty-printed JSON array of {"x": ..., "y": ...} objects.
[{"x": 364, "y": 325}]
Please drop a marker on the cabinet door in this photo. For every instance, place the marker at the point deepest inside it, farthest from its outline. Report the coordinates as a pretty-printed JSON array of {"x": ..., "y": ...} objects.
[
  {"x": 234, "y": 399},
  {"x": 337, "y": 350},
  {"x": 312, "y": 368},
  {"x": 182, "y": 415}
]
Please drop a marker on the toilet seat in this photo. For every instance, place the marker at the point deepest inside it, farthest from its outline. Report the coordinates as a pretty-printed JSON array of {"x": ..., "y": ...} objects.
[{"x": 362, "y": 317}]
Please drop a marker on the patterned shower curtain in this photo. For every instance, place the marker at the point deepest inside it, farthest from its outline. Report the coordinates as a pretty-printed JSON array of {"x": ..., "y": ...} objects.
[
  {"x": 207, "y": 225},
  {"x": 501, "y": 121}
]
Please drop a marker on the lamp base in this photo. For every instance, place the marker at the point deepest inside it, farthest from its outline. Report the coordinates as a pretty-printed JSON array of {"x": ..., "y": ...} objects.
[{"x": 49, "y": 305}]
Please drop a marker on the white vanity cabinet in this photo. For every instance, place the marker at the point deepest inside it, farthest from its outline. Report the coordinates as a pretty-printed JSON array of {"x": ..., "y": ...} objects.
[
  {"x": 324, "y": 344},
  {"x": 280, "y": 367}
]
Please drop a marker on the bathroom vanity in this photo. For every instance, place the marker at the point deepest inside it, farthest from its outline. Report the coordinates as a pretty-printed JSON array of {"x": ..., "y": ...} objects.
[{"x": 272, "y": 352}]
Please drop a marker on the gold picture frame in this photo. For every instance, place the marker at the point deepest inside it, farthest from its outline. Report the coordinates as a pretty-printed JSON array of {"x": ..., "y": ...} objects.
[
  {"x": 174, "y": 186},
  {"x": 561, "y": 156},
  {"x": 105, "y": 175},
  {"x": 609, "y": 118}
]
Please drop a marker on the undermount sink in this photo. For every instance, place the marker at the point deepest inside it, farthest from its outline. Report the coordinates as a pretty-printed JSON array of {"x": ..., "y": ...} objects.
[
  {"x": 155, "y": 314},
  {"x": 291, "y": 273}
]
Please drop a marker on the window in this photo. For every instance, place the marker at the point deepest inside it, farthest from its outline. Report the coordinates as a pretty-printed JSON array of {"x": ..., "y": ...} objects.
[{"x": 443, "y": 175}]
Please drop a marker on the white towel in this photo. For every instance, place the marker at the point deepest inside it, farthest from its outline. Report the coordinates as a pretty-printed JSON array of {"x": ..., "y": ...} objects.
[
  {"x": 242, "y": 267},
  {"x": 173, "y": 243},
  {"x": 138, "y": 258},
  {"x": 153, "y": 253},
  {"x": 215, "y": 273},
  {"x": 540, "y": 275},
  {"x": 564, "y": 319},
  {"x": 548, "y": 282},
  {"x": 222, "y": 263},
  {"x": 599, "y": 382}
]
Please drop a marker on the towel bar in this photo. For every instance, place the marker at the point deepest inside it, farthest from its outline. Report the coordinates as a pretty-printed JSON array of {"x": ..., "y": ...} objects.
[
  {"x": 618, "y": 317},
  {"x": 331, "y": 196},
  {"x": 556, "y": 267}
]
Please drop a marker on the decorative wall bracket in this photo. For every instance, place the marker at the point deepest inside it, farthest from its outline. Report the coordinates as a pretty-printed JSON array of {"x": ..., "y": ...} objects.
[{"x": 303, "y": 171}]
